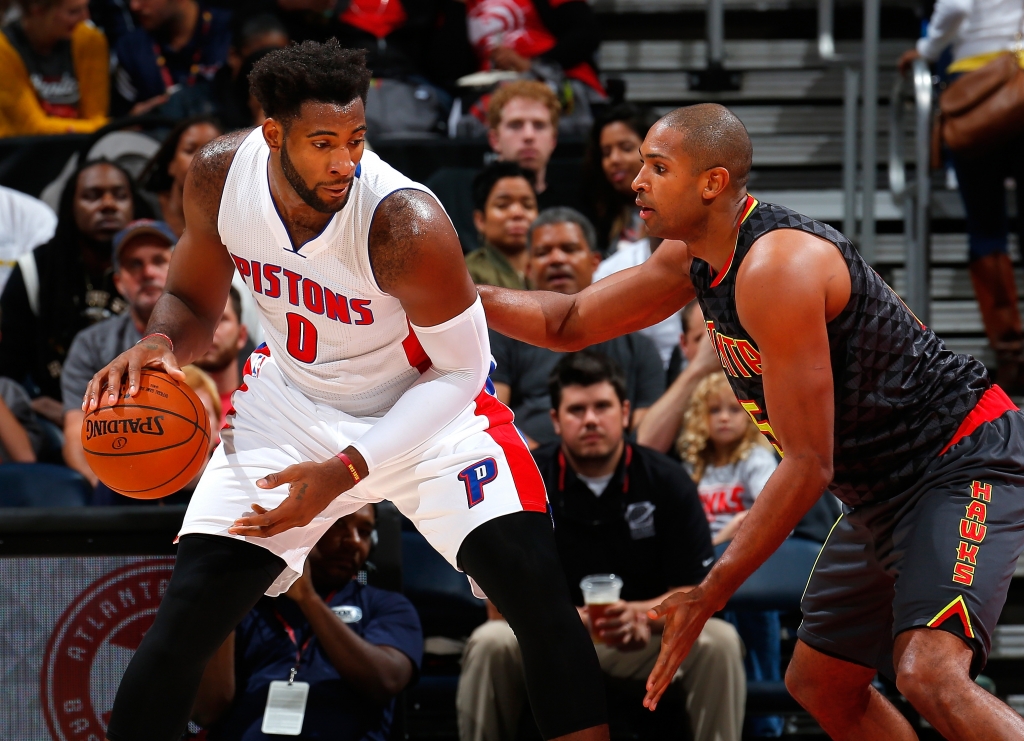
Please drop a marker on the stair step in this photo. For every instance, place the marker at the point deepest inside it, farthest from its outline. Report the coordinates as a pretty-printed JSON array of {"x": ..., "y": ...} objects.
[
  {"x": 956, "y": 317},
  {"x": 947, "y": 249},
  {"x": 949, "y": 283},
  {"x": 674, "y": 55},
  {"x": 791, "y": 84},
  {"x": 827, "y": 204},
  {"x": 806, "y": 150},
  {"x": 1007, "y": 642}
]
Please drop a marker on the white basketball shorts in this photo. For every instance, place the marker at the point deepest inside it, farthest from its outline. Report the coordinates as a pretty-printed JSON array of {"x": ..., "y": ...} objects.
[{"x": 476, "y": 468}]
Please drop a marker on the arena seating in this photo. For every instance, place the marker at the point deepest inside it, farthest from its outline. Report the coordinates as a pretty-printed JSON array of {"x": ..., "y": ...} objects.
[{"x": 791, "y": 101}]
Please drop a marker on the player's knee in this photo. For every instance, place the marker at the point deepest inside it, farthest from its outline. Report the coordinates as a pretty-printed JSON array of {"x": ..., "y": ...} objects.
[
  {"x": 798, "y": 685},
  {"x": 808, "y": 686},
  {"x": 929, "y": 680}
]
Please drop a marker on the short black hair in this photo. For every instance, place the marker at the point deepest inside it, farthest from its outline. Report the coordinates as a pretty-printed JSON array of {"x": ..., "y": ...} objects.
[
  {"x": 326, "y": 73},
  {"x": 564, "y": 215},
  {"x": 488, "y": 177},
  {"x": 713, "y": 136},
  {"x": 585, "y": 368}
]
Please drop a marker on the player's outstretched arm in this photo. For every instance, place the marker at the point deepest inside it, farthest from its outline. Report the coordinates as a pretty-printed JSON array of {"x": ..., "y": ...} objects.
[
  {"x": 197, "y": 284},
  {"x": 787, "y": 289},
  {"x": 623, "y": 302}
]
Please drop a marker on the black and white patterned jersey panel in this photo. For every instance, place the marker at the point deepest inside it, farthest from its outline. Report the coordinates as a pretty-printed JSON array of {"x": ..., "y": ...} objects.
[{"x": 900, "y": 394}]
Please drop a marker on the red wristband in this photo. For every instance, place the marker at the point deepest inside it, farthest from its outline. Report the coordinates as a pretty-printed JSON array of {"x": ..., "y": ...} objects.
[
  {"x": 356, "y": 478},
  {"x": 170, "y": 342}
]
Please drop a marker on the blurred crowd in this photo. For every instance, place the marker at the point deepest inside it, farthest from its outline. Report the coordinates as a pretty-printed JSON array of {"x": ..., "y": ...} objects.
[
  {"x": 649, "y": 461},
  {"x": 73, "y": 66},
  {"x": 641, "y": 444}
]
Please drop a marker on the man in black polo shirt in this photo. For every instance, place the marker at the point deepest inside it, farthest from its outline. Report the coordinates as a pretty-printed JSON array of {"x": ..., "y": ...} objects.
[{"x": 624, "y": 509}]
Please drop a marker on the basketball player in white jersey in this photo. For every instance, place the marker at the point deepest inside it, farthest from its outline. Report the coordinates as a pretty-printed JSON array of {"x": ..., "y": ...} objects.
[{"x": 372, "y": 385}]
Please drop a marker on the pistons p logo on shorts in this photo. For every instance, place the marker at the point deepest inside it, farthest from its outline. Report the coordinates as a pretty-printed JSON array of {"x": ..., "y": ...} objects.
[{"x": 475, "y": 476}]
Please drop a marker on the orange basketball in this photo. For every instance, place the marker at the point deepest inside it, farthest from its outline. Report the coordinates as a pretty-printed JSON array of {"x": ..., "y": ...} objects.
[{"x": 152, "y": 444}]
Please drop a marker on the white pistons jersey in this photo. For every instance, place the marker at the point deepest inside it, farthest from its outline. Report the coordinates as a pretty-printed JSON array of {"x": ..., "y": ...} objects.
[{"x": 332, "y": 331}]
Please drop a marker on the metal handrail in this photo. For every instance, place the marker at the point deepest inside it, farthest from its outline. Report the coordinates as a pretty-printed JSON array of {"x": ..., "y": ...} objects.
[
  {"x": 826, "y": 37},
  {"x": 915, "y": 197},
  {"x": 865, "y": 86}
]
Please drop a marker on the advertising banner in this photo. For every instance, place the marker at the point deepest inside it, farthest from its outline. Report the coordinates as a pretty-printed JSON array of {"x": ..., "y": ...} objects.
[{"x": 70, "y": 627}]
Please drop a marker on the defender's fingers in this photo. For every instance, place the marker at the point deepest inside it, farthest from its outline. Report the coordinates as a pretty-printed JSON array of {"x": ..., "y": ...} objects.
[
  {"x": 656, "y": 687},
  {"x": 659, "y": 611},
  {"x": 663, "y": 671}
]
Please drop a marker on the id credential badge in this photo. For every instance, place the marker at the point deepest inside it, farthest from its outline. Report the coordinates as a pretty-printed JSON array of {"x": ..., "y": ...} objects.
[{"x": 286, "y": 707}]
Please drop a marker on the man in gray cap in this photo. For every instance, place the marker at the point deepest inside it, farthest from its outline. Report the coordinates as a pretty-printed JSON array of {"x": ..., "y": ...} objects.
[{"x": 142, "y": 254}]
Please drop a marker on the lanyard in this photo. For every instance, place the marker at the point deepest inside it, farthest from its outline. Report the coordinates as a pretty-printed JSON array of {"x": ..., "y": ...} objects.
[
  {"x": 161, "y": 60},
  {"x": 290, "y": 631}
]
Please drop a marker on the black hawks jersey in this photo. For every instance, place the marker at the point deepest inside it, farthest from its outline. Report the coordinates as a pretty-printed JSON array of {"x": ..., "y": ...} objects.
[{"x": 900, "y": 395}]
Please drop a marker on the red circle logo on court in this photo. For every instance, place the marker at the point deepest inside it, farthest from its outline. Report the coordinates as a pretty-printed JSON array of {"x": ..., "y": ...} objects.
[{"x": 92, "y": 644}]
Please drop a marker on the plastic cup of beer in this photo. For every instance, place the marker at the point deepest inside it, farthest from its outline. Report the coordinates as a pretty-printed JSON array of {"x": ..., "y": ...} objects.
[{"x": 600, "y": 591}]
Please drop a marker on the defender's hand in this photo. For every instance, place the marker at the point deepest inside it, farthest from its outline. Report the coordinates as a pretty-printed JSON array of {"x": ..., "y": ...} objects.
[
  {"x": 685, "y": 615},
  {"x": 153, "y": 353},
  {"x": 311, "y": 487}
]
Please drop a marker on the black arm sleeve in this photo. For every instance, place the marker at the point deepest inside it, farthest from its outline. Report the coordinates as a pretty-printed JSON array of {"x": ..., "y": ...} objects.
[
  {"x": 17, "y": 327},
  {"x": 575, "y": 27}
]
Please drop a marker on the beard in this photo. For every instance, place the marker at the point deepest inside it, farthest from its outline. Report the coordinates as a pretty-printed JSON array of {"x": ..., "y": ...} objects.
[
  {"x": 216, "y": 362},
  {"x": 307, "y": 194}
]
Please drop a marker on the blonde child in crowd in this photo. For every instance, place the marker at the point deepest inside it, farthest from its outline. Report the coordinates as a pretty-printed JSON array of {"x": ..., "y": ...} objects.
[
  {"x": 724, "y": 454},
  {"x": 730, "y": 461}
]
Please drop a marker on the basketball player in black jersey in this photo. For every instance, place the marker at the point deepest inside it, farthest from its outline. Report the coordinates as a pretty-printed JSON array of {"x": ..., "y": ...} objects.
[{"x": 860, "y": 398}]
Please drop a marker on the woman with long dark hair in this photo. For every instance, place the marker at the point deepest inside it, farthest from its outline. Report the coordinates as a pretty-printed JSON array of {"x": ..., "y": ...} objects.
[
  {"x": 165, "y": 173},
  {"x": 612, "y": 161}
]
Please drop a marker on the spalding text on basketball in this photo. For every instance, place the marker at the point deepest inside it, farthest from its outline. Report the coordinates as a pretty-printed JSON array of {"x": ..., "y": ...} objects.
[{"x": 141, "y": 425}]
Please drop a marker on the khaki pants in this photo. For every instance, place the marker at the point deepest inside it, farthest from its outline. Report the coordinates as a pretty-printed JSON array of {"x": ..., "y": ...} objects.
[{"x": 492, "y": 691}]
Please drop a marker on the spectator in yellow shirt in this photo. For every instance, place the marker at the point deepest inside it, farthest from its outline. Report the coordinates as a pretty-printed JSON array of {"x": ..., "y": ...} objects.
[{"x": 55, "y": 68}]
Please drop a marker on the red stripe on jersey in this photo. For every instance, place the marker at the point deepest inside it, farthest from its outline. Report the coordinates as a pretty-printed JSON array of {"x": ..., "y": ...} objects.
[
  {"x": 415, "y": 353},
  {"x": 992, "y": 405},
  {"x": 528, "y": 482},
  {"x": 748, "y": 208}
]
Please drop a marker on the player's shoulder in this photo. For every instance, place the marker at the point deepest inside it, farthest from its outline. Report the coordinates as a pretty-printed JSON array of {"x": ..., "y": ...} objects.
[
  {"x": 211, "y": 163},
  {"x": 789, "y": 256},
  {"x": 209, "y": 171}
]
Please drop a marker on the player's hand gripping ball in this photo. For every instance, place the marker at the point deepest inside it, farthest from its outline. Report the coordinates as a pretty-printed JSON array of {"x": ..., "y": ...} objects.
[{"x": 151, "y": 444}]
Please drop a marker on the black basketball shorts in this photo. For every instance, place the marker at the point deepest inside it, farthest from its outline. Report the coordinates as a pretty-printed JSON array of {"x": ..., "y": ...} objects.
[{"x": 939, "y": 555}]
